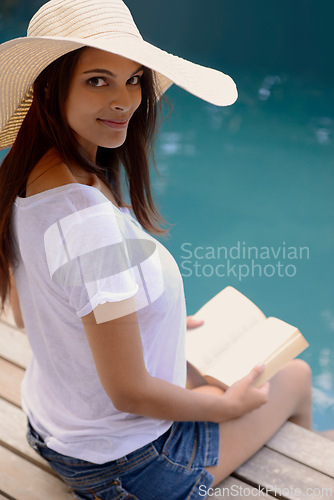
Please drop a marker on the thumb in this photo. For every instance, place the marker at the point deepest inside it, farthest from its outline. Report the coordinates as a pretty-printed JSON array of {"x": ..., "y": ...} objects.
[{"x": 256, "y": 371}]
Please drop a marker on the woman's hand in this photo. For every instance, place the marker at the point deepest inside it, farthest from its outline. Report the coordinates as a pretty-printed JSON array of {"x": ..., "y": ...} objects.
[{"x": 244, "y": 397}]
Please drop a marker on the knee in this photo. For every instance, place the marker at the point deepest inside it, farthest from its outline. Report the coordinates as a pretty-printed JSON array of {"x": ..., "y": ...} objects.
[
  {"x": 303, "y": 368},
  {"x": 300, "y": 373}
]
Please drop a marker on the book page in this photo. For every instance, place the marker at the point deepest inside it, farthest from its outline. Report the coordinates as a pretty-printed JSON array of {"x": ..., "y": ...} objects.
[
  {"x": 253, "y": 348},
  {"x": 292, "y": 348},
  {"x": 227, "y": 317}
]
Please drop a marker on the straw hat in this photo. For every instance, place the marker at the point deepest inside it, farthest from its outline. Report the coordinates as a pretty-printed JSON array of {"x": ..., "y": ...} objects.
[{"x": 61, "y": 26}]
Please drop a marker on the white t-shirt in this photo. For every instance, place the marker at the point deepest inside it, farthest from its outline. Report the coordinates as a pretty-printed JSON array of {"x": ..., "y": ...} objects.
[{"x": 76, "y": 250}]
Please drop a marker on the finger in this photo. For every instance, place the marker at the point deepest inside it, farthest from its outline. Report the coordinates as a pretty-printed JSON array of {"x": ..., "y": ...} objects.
[
  {"x": 256, "y": 371},
  {"x": 193, "y": 322}
]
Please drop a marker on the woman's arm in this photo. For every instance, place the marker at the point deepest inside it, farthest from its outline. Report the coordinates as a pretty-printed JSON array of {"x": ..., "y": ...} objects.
[
  {"x": 117, "y": 350},
  {"x": 14, "y": 302}
]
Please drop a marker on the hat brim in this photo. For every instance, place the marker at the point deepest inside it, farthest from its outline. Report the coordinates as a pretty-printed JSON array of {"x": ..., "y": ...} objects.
[{"x": 23, "y": 59}]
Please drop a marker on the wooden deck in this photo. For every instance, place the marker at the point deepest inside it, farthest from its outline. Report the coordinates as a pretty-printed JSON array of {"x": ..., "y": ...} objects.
[{"x": 294, "y": 464}]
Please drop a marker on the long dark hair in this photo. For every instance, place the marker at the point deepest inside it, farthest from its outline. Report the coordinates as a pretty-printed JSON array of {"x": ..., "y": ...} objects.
[{"x": 45, "y": 126}]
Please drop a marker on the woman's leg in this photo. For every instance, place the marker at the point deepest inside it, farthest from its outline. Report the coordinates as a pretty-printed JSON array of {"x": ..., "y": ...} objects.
[{"x": 290, "y": 398}]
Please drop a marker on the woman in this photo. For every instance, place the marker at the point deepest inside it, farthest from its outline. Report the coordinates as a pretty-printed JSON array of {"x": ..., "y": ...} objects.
[{"x": 107, "y": 396}]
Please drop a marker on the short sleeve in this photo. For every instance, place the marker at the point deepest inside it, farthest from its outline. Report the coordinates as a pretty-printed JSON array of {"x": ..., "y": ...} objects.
[{"x": 87, "y": 256}]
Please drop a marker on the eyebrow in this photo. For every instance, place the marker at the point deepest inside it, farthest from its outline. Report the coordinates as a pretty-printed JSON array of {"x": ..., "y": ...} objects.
[{"x": 109, "y": 73}]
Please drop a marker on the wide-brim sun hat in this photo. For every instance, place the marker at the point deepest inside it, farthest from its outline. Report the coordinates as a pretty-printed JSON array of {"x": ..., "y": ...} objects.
[{"x": 61, "y": 26}]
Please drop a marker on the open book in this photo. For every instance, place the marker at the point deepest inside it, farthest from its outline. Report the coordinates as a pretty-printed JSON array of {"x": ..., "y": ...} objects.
[{"x": 236, "y": 336}]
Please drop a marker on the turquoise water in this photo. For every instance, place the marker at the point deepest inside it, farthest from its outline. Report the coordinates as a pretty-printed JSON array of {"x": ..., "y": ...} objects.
[{"x": 250, "y": 187}]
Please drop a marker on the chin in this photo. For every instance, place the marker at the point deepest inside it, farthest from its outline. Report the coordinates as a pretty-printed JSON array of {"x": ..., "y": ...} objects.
[{"x": 115, "y": 143}]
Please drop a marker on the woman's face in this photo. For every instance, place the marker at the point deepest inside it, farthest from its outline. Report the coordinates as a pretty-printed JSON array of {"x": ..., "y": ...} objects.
[{"x": 104, "y": 93}]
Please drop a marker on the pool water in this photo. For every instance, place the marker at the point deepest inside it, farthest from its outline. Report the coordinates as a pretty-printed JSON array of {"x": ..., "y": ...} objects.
[{"x": 248, "y": 190}]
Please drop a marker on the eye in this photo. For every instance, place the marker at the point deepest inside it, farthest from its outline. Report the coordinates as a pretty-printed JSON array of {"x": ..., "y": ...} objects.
[
  {"x": 97, "y": 81},
  {"x": 134, "y": 80}
]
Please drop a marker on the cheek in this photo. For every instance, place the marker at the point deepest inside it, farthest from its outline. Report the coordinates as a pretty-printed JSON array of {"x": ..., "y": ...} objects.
[
  {"x": 80, "y": 117},
  {"x": 71, "y": 111}
]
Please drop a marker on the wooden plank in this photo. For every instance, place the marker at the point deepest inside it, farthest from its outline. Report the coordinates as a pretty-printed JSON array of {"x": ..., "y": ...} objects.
[
  {"x": 14, "y": 345},
  {"x": 13, "y": 428},
  {"x": 232, "y": 487},
  {"x": 25, "y": 481},
  {"x": 306, "y": 446},
  {"x": 288, "y": 478},
  {"x": 10, "y": 381}
]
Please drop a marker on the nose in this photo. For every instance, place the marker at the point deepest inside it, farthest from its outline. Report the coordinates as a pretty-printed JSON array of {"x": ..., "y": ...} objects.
[{"x": 120, "y": 99}]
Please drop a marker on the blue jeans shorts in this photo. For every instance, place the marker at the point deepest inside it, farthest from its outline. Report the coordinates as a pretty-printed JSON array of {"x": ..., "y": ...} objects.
[{"x": 170, "y": 468}]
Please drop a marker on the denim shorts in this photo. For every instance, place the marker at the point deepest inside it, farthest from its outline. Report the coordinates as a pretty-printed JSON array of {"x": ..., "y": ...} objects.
[{"x": 170, "y": 468}]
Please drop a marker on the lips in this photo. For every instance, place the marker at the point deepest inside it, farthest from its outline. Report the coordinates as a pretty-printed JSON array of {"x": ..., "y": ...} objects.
[{"x": 118, "y": 124}]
